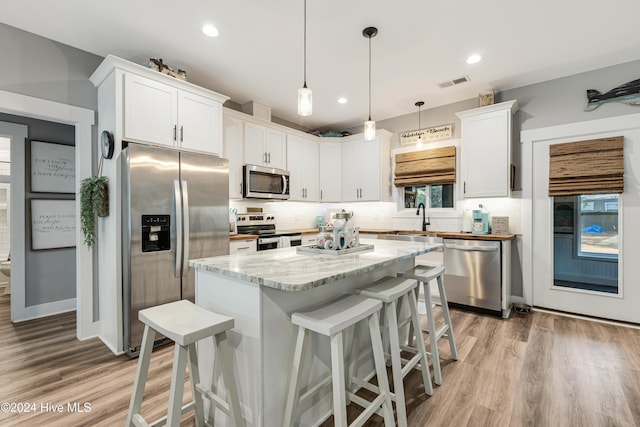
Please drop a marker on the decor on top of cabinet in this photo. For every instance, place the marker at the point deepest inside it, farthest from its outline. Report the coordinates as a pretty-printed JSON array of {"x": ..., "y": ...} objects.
[
  {"x": 158, "y": 65},
  {"x": 628, "y": 93},
  {"x": 486, "y": 98}
]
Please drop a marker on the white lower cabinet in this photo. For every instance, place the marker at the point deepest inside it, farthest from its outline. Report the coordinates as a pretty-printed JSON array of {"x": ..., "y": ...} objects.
[{"x": 243, "y": 246}]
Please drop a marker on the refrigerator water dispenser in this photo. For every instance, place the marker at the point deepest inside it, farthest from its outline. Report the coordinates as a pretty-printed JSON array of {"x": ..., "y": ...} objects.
[{"x": 156, "y": 233}]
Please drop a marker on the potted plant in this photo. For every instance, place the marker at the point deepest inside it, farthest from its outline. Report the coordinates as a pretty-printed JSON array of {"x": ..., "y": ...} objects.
[{"x": 94, "y": 201}]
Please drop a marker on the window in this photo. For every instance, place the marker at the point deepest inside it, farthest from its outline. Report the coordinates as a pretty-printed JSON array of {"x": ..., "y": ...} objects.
[
  {"x": 597, "y": 231},
  {"x": 434, "y": 196}
]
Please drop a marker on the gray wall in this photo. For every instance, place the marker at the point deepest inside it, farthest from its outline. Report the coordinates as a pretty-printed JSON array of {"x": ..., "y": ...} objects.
[
  {"x": 42, "y": 68},
  {"x": 549, "y": 103},
  {"x": 39, "y": 67},
  {"x": 50, "y": 274}
]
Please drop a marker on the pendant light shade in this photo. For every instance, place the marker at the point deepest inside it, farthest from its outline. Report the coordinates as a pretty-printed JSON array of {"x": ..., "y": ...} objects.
[
  {"x": 370, "y": 125},
  {"x": 419, "y": 144},
  {"x": 369, "y": 130},
  {"x": 305, "y": 102}
]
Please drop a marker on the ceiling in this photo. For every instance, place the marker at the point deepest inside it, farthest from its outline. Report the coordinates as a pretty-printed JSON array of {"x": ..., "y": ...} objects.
[{"x": 259, "y": 52}]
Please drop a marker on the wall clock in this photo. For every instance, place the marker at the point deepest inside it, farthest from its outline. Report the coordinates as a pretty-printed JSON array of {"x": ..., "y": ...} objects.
[{"x": 107, "y": 144}]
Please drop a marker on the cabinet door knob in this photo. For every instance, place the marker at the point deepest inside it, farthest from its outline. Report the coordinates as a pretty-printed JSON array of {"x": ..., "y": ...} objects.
[
  {"x": 175, "y": 132},
  {"x": 181, "y": 133},
  {"x": 269, "y": 156},
  {"x": 265, "y": 157}
]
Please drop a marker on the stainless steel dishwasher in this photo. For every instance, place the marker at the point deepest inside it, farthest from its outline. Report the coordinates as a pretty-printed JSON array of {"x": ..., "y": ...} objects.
[{"x": 473, "y": 274}]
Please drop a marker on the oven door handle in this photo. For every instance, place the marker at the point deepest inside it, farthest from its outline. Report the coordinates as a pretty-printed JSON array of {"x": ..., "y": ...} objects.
[{"x": 267, "y": 240}]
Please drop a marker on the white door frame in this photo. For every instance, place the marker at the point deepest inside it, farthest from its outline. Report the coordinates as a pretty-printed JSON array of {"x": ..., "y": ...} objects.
[
  {"x": 535, "y": 262},
  {"x": 82, "y": 119}
]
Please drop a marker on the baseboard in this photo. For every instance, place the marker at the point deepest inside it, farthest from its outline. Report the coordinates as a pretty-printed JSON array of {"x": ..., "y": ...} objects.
[
  {"x": 45, "y": 310},
  {"x": 111, "y": 346},
  {"x": 589, "y": 318}
]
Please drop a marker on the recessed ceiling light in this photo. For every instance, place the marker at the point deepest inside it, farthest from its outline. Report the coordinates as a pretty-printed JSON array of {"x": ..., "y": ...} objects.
[
  {"x": 342, "y": 100},
  {"x": 473, "y": 59},
  {"x": 210, "y": 30}
]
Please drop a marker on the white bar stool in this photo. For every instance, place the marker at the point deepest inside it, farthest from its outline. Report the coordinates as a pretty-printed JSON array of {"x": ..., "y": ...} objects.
[
  {"x": 185, "y": 323},
  {"x": 331, "y": 320},
  {"x": 425, "y": 274},
  {"x": 391, "y": 291}
]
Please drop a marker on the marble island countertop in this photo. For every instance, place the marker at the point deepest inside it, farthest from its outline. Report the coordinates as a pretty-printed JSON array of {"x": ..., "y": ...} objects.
[{"x": 287, "y": 270}]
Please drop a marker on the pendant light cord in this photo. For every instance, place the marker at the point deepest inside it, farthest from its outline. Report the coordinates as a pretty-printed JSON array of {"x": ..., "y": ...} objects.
[
  {"x": 369, "y": 78},
  {"x": 305, "y": 43}
]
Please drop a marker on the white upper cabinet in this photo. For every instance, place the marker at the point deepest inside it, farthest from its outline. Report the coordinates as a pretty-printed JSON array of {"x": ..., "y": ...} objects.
[
  {"x": 150, "y": 110},
  {"x": 143, "y": 105},
  {"x": 366, "y": 168},
  {"x": 264, "y": 146},
  {"x": 199, "y": 123},
  {"x": 233, "y": 150},
  {"x": 330, "y": 172},
  {"x": 486, "y": 150},
  {"x": 159, "y": 113},
  {"x": 302, "y": 163}
]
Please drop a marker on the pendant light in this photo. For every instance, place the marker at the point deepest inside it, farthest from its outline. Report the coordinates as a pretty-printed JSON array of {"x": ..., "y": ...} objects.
[
  {"x": 419, "y": 104},
  {"x": 369, "y": 125},
  {"x": 305, "y": 104}
]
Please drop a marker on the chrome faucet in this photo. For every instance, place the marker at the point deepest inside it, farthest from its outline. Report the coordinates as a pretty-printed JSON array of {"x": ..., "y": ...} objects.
[{"x": 424, "y": 222}]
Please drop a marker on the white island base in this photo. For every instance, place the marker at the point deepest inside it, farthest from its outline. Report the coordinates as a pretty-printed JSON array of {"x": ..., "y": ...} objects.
[{"x": 264, "y": 339}]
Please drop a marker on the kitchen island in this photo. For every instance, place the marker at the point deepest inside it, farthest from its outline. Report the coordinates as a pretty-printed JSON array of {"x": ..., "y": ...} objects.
[{"x": 261, "y": 291}]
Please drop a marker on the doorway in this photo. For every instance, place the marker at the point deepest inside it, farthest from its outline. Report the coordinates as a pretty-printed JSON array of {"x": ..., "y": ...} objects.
[
  {"x": 601, "y": 228},
  {"x": 10, "y": 135}
]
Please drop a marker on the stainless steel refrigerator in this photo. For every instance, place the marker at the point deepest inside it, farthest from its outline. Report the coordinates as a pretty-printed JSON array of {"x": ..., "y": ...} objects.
[{"x": 175, "y": 207}]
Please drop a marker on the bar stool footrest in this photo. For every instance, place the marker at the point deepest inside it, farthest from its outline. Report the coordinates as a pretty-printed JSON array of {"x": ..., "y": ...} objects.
[
  {"x": 215, "y": 399},
  {"x": 139, "y": 421},
  {"x": 370, "y": 408}
]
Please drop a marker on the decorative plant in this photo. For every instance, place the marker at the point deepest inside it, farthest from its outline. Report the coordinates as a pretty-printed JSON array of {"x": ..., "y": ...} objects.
[{"x": 94, "y": 200}]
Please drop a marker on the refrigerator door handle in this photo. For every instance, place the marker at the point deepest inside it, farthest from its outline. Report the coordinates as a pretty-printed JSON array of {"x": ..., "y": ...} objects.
[
  {"x": 179, "y": 241},
  {"x": 185, "y": 226}
]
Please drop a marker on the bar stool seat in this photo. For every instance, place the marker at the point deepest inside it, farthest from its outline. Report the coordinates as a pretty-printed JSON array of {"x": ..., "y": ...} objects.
[
  {"x": 185, "y": 323},
  {"x": 425, "y": 274},
  {"x": 392, "y": 291},
  {"x": 331, "y": 320}
]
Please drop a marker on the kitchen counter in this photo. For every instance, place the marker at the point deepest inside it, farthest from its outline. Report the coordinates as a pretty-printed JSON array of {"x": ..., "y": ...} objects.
[
  {"x": 470, "y": 236},
  {"x": 243, "y": 237},
  {"x": 287, "y": 270},
  {"x": 443, "y": 234},
  {"x": 261, "y": 291}
]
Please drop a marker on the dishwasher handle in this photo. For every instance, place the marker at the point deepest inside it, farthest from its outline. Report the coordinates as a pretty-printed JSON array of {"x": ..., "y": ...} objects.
[{"x": 486, "y": 248}]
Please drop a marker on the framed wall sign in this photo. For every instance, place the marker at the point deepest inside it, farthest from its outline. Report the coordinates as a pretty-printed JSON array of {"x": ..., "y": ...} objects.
[
  {"x": 435, "y": 133},
  {"x": 53, "y": 168},
  {"x": 53, "y": 224}
]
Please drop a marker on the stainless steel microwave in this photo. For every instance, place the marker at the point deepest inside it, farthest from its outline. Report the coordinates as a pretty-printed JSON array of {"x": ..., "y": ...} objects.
[{"x": 265, "y": 183}]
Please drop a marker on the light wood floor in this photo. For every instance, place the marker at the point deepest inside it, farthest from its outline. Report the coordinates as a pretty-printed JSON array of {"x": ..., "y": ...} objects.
[{"x": 535, "y": 369}]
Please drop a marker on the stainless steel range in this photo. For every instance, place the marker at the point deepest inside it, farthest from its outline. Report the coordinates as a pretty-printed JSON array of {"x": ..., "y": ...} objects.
[{"x": 264, "y": 226}]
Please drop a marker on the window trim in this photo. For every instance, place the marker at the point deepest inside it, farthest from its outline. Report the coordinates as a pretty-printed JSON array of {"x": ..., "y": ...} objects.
[{"x": 577, "y": 234}]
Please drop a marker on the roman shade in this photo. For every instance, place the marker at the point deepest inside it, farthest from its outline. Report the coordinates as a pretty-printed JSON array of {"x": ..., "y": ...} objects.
[
  {"x": 434, "y": 166},
  {"x": 595, "y": 166}
]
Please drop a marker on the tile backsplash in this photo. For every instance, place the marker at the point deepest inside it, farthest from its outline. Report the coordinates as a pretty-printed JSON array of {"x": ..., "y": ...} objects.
[{"x": 380, "y": 215}]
